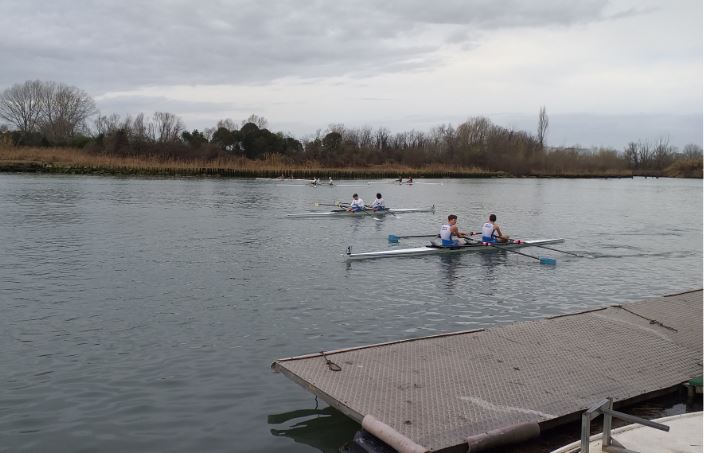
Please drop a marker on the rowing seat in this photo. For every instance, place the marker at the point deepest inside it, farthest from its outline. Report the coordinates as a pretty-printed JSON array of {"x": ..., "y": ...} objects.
[{"x": 440, "y": 244}]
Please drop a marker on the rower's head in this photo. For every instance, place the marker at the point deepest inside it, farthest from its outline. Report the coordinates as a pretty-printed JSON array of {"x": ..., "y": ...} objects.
[
  {"x": 378, "y": 196},
  {"x": 355, "y": 196},
  {"x": 452, "y": 219},
  {"x": 492, "y": 218}
]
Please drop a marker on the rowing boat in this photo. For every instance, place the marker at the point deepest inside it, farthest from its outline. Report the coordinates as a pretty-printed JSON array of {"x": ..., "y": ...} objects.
[
  {"x": 434, "y": 250},
  {"x": 344, "y": 212}
]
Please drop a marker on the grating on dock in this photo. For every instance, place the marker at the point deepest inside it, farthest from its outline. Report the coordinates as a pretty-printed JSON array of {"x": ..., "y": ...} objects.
[{"x": 436, "y": 392}]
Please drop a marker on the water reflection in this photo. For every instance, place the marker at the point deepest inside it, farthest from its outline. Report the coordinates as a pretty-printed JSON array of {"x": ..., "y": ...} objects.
[
  {"x": 488, "y": 265},
  {"x": 318, "y": 428},
  {"x": 449, "y": 264}
]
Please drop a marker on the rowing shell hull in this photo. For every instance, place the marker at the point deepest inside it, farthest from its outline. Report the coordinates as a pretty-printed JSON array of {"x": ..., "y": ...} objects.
[
  {"x": 344, "y": 213},
  {"x": 428, "y": 250}
]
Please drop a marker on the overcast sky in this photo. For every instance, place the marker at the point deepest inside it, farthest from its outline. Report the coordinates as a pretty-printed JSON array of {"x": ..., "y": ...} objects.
[{"x": 608, "y": 72}]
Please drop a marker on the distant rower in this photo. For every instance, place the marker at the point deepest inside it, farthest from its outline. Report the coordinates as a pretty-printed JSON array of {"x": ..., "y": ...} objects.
[
  {"x": 357, "y": 204},
  {"x": 491, "y": 231},
  {"x": 330, "y": 181},
  {"x": 378, "y": 204}
]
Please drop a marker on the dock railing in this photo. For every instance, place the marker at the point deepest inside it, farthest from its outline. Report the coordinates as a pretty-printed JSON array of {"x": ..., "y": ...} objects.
[{"x": 608, "y": 443}]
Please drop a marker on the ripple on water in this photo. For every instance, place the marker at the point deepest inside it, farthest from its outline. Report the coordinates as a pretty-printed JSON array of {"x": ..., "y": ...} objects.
[{"x": 143, "y": 314}]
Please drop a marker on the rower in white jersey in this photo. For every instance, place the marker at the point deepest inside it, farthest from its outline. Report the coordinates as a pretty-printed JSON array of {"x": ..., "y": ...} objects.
[
  {"x": 491, "y": 231},
  {"x": 450, "y": 234},
  {"x": 330, "y": 183},
  {"x": 378, "y": 204},
  {"x": 357, "y": 204}
]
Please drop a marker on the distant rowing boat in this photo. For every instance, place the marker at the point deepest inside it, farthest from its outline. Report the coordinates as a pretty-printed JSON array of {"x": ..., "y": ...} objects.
[
  {"x": 433, "y": 250},
  {"x": 368, "y": 212}
]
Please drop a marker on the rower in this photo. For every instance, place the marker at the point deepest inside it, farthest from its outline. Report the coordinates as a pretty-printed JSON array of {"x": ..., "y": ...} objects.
[
  {"x": 491, "y": 232},
  {"x": 450, "y": 231},
  {"x": 410, "y": 181},
  {"x": 357, "y": 204},
  {"x": 378, "y": 204},
  {"x": 330, "y": 181}
]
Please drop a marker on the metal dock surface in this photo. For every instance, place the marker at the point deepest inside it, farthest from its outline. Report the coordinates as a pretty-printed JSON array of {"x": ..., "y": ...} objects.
[{"x": 435, "y": 393}]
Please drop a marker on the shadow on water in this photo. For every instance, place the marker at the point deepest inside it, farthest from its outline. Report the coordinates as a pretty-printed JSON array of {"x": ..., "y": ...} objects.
[{"x": 318, "y": 428}]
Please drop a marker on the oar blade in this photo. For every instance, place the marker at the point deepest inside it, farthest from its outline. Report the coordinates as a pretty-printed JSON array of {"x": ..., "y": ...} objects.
[
  {"x": 547, "y": 261},
  {"x": 393, "y": 238}
]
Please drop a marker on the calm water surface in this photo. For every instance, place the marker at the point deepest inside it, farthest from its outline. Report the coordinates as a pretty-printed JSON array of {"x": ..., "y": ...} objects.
[{"x": 142, "y": 314}]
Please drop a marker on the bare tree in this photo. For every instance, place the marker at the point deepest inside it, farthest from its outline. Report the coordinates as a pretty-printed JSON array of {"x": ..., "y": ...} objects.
[
  {"x": 260, "y": 121},
  {"x": 631, "y": 155},
  {"x": 542, "y": 126},
  {"x": 474, "y": 131},
  {"x": 139, "y": 132},
  {"x": 166, "y": 127},
  {"x": 228, "y": 124},
  {"x": 65, "y": 110},
  {"x": 381, "y": 138},
  {"x": 663, "y": 153},
  {"x": 21, "y": 105},
  {"x": 692, "y": 151},
  {"x": 366, "y": 137},
  {"x": 645, "y": 155},
  {"x": 106, "y": 125}
]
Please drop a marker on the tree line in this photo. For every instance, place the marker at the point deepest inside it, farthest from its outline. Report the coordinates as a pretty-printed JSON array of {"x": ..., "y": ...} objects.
[{"x": 54, "y": 114}]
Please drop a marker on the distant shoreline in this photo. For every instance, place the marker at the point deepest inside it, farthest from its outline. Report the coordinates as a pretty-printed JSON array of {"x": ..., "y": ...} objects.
[
  {"x": 72, "y": 161},
  {"x": 307, "y": 173}
]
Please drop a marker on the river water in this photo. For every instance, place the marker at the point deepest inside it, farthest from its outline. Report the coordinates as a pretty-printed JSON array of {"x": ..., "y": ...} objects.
[{"x": 142, "y": 315}]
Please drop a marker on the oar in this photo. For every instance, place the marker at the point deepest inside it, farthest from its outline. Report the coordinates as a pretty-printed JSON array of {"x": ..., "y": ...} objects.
[
  {"x": 337, "y": 204},
  {"x": 557, "y": 250},
  {"x": 394, "y": 238},
  {"x": 385, "y": 211},
  {"x": 541, "y": 259}
]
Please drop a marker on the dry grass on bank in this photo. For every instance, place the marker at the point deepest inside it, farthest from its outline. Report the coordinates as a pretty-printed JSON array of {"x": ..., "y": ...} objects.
[{"x": 80, "y": 161}]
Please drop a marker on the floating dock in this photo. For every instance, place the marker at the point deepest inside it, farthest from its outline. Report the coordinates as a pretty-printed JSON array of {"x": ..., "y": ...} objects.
[{"x": 475, "y": 389}]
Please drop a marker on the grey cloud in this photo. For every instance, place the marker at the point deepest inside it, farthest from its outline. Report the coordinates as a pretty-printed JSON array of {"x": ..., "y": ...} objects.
[
  {"x": 119, "y": 45},
  {"x": 493, "y": 14},
  {"x": 136, "y": 104}
]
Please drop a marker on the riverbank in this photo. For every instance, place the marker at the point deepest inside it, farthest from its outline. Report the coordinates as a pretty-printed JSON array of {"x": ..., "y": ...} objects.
[{"x": 77, "y": 161}]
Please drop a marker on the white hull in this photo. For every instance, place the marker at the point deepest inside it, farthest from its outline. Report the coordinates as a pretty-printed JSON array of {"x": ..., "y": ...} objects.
[
  {"x": 344, "y": 213},
  {"x": 685, "y": 436},
  {"x": 428, "y": 250}
]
